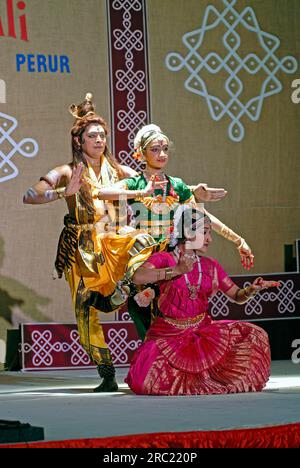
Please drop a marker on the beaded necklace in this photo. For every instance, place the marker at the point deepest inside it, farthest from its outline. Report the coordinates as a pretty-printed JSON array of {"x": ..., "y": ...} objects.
[{"x": 193, "y": 288}]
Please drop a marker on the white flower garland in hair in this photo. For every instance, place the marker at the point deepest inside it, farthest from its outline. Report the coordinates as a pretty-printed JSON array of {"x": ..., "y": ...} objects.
[{"x": 142, "y": 132}]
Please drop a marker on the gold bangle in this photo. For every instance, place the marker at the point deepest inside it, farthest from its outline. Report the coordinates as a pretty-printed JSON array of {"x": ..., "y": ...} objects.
[
  {"x": 60, "y": 191},
  {"x": 248, "y": 293},
  {"x": 159, "y": 275},
  {"x": 241, "y": 242},
  {"x": 245, "y": 293},
  {"x": 168, "y": 273}
]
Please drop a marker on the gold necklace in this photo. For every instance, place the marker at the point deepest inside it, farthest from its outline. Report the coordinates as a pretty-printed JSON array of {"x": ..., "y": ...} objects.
[{"x": 194, "y": 288}]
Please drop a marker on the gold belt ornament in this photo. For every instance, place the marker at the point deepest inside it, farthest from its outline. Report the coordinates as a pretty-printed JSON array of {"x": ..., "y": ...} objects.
[
  {"x": 185, "y": 323},
  {"x": 99, "y": 226}
]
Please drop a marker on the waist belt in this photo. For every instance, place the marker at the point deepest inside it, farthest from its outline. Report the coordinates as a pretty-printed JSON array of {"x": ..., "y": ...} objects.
[{"x": 185, "y": 323}]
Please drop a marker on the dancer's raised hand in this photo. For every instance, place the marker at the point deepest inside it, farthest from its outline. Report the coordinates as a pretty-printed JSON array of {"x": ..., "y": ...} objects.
[
  {"x": 207, "y": 194},
  {"x": 76, "y": 180}
]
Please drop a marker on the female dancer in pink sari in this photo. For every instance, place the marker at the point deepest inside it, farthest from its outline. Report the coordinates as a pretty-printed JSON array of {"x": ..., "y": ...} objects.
[{"x": 185, "y": 352}]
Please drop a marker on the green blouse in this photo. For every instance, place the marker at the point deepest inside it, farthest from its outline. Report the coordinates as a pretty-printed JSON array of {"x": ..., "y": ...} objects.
[{"x": 151, "y": 212}]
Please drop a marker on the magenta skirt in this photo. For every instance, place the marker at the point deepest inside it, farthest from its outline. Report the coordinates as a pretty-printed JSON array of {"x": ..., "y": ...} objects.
[{"x": 212, "y": 357}]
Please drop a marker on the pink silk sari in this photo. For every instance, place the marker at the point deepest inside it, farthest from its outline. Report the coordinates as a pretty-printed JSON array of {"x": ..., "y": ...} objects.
[{"x": 187, "y": 353}]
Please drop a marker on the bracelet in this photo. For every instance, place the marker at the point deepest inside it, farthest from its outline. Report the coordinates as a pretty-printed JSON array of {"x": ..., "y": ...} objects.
[
  {"x": 245, "y": 293},
  {"x": 248, "y": 293},
  {"x": 241, "y": 240},
  {"x": 168, "y": 273},
  {"x": 60, "y": 192},
  {"x": 160, "y": 273}
]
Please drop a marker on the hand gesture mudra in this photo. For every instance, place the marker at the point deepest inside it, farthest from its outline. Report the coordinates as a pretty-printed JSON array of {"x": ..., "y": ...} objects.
[
  {"x": 207, "y": 194},
  {"x": 76, "y": 180},
  {"x": 160, "y": 183},
  {"x": 259, "y": 284},
  {"x": 185, "y": 263},
  {"x": 149, "y": 189}
]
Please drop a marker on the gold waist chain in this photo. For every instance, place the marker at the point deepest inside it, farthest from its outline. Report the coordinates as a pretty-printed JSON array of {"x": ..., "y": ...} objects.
[{"x": 185, "y": 323}]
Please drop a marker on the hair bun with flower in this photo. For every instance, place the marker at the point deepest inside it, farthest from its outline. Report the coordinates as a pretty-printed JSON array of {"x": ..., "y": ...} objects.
[
  {"x": 137, "y": 154},
  {"x": 143, "y": 137}
]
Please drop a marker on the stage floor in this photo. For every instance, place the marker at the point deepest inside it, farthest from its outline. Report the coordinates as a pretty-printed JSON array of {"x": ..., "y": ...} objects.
[{"x": 63, "y": 403}]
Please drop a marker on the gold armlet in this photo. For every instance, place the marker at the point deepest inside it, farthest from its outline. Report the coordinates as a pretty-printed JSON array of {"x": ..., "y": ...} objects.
[{"x": 232, "y": 236}]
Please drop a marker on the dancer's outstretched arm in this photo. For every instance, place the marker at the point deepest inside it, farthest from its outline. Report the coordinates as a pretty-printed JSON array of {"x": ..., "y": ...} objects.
[
  {"x": 240, "y": 296},
  {"x": 115, "y": 191},
  {"x": 203, "y": 193},
  {"x": 60, "y": 182},
  {"x": 247, "y": 257}
]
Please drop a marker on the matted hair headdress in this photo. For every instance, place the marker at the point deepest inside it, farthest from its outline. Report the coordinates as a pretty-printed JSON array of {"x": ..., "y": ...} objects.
[{"x": 84, "y": 109}]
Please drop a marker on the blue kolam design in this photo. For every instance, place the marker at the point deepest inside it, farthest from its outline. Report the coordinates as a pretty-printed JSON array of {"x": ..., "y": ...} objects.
[
  {"x": 233, "y": 63},
  {"x": 26, "y": 147}
]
